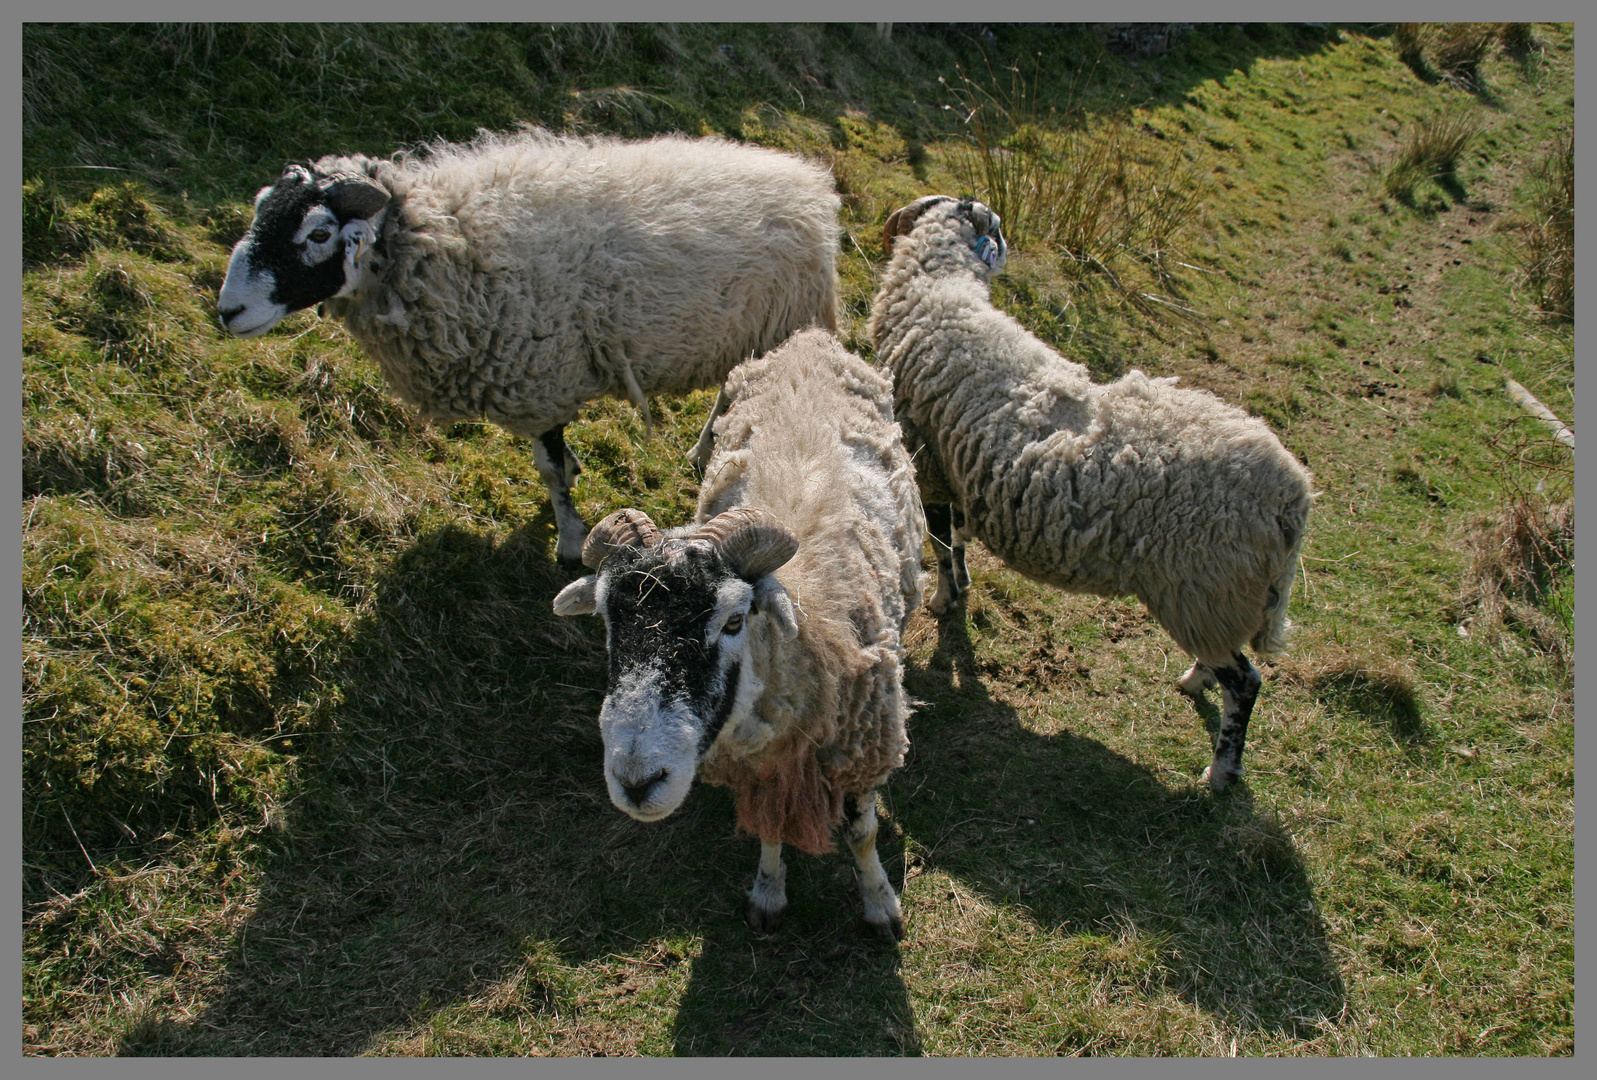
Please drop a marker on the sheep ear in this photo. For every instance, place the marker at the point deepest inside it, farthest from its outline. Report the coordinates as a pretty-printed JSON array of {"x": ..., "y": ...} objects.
[
  {"x": 578, "y": 598},
  {"x": 772, "y": 600}
]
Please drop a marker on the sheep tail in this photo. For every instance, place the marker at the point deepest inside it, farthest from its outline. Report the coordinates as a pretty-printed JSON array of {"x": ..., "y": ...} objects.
[
  {"x": 1271, "y": 637},
  {"x": 635, "y": 395}
]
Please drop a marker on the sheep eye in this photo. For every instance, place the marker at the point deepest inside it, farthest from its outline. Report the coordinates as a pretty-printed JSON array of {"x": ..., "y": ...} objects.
[
  {"x": 733, "y": 625},
  {"x": 320, "y": 236}
]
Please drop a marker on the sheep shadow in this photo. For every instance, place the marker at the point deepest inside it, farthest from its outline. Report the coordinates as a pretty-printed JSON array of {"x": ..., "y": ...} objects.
[
  {"x": 1087, "y": 842},
  {"x": 452, "y": 864}
]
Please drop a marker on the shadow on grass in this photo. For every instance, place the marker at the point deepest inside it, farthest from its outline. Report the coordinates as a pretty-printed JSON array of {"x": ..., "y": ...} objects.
[
  {"x": 453, "y": 862},
  {"x": 1089, "y": 842},
  {"x": 1382, "y": 698}
]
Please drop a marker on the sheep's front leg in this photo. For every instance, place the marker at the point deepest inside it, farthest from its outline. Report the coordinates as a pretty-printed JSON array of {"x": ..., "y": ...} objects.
[
  {"x": 559, "y": 468},
  {"x": 882, "y": 911},
  {"x": 952, "y": 577},
  {"x": 1240, "y": 683},
  {"x": 767, "y": 901},
  {"x": 700, "y": 454}
]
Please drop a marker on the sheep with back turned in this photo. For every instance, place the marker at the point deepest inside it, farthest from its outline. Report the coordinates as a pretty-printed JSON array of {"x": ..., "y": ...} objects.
[
  {"x": 1136, "y": 487},
  {"x": 761, "y": 649},
  {"x": 518, "y": 277}
]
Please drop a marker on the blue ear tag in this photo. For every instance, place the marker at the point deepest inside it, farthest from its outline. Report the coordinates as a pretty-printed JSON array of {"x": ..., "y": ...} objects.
[{"x": 986, "y": 250}]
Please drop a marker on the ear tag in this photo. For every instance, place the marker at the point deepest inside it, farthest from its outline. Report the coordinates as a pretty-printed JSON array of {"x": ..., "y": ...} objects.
[{"x": 987, "y": 251}]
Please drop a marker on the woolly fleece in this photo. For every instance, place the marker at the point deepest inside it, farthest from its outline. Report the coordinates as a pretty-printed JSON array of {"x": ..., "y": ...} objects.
[
  {"x": 810, "y": 437},
  {"x": 524, "y": 274},
  {"x": 1135, "y": 487}
]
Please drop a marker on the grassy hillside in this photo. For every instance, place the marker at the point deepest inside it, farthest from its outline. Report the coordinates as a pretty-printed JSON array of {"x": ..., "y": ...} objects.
[{"x": 309, "y": 766}]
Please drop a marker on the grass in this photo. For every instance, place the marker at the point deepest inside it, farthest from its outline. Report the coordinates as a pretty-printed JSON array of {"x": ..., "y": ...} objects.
[
  {"x": 1097, "y": 199},
  {"x": 1431, "y": 151},
  {"x": 1549, "y": 234},
  {"x": 309, "y": 767}
]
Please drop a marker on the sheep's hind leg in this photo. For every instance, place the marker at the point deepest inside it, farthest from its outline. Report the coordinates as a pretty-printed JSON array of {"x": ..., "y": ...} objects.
[
  {"x": 767, "y": 899},
  {"x": 1240, "y": 682},
  {"x": 882, "y": 911},
  {"x": 559, "y": 468},
  {"x": 959, "y": 532},
  {"x": 952, "y": 578},
  {"x": 1197, "y": 679},
  {"x": 700, "y": 454}
]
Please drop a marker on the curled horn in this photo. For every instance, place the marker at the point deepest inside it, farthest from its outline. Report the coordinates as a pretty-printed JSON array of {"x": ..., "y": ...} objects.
[
  {"x": 903, "y": 219},
  {"x": 752, "y": 540},
  {"x": 624, "y": 528},
  {"x": 352, "y": 195}
]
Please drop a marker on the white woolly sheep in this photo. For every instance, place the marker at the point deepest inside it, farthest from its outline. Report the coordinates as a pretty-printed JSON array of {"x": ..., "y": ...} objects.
[
  {"x": 760, "y": 649},
  {"x": 518, "y": 277},
  {"x": 1135, "y": 487}
]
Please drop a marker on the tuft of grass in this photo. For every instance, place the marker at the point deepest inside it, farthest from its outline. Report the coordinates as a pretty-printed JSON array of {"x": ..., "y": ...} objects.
[
  {"x": 1430, "y": 151},
  {"x": 1105, "y": 200},
  {"x": 1548, "y": 237},
  {"x": 1455, "y": 51},
  {"x": 1521, "y": 576}
]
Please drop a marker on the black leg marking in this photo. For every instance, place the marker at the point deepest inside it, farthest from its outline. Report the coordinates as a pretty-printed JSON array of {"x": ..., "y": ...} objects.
[
  {"x": 1240, "y": 683},
  {"x": 559, "y": 468},
  {"x": 554, "y": 444}
]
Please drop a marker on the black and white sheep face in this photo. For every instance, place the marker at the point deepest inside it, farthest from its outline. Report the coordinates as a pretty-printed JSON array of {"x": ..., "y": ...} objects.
[
  {"x": 312, "y": 239},
  {"x": 676, "y": 619},
  {"x": 677, "y": 611}
]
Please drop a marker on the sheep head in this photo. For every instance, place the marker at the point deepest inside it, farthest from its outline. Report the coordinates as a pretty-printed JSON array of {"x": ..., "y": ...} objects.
[
  {"x": 680, "y": 610},
  {"x": 976, "y": 223},
  {"x": 313, "y": 238}
]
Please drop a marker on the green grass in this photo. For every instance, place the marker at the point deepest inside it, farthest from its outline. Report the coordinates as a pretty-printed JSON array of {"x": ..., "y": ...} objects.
[{"x": 311, "y": 768}]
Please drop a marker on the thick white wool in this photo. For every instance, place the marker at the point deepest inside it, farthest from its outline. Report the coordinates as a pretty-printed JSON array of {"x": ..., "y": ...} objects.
[
  {"x": 1138, "y": 487},
  {"x": 527, "y": 274},
  {"x": 810, "y": 437}
]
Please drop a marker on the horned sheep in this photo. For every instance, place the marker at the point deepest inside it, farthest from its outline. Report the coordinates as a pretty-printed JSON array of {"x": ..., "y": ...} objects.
[
  {"x": 1133, "y": 487},
  {"x": 760, "y": 649},
  {"x": 519, "y": 276}
]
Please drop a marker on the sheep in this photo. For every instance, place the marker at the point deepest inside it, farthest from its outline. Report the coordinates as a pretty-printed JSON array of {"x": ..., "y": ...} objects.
[
  {"x": 760, "y": 649},
  {"x": 519, "y": 276},
  {"x": 1135, "y": 487}
]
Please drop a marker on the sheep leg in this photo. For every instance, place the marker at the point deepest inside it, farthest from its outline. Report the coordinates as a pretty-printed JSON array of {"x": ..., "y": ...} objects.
[
  {"x": 559, "y": 468},
  {"x": 1240, "y": 683},
  {"x": 882, "y": 911},
  {"x": 767, "y": 899},
  {"x": 952, "y": 578},
  {"x": 1197, "y": 679},
  {"x": 700, "y": 454},
  {"x": 959, "y": 532}
]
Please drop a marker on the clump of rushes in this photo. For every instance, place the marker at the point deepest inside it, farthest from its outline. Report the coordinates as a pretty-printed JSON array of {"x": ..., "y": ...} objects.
[
  {"x": 1458, "y": 49},
  {"x": 1455, "y": 51},
  {"x": 1106, "y": 201},
  {"x": 1431, "y": 151},
  {"x": 1518, "y": 39},
  {"x": 1549, "y": 236}
]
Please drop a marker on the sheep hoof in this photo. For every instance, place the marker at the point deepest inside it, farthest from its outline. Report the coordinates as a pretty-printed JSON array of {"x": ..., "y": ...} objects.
[
  {"x": 943, "y": 601},
  {"x": 763, "y": 920},
  {"x": 1218, "y": 777},
  {"x": 1196, "y": 681},
  {"x": 889, "y": 929}
]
